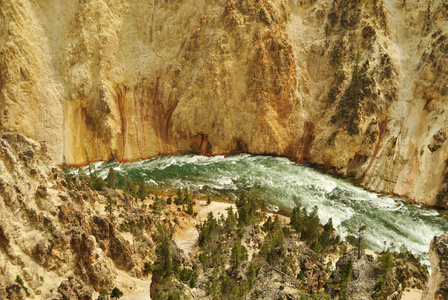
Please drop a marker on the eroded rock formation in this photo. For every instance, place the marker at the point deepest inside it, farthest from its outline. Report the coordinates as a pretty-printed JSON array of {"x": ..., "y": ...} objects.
[
  {"x": 357, "y": 86},
  {"x": 48, "y": 232},
  {"x": 438, "y": 282}
]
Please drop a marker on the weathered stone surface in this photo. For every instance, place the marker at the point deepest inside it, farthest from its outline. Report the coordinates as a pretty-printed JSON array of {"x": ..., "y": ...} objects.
[
  {"x": 75, "y": 289},
  {"x": 102, "y": 229},
  {"x": 438, "y": 282},
  {"x": 356, "y": 87},
  {"x": 120, "y": 252},
  {"x": 43, "y": 240},
  {"x": 15, "y": 292},
  {"x": 4, "y": 236}
]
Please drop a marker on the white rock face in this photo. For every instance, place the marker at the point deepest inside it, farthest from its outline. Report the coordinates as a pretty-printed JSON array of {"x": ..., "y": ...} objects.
[{"x": 359, "y": 87}]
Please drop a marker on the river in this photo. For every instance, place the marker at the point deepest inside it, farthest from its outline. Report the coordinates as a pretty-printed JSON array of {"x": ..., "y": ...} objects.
[{"x": 279, "y": 183}]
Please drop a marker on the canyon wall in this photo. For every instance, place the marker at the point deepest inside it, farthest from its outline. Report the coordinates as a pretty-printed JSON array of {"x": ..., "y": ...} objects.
[
  {"x": 356, "y": 86},
  {"x": 437, "y": 287}
]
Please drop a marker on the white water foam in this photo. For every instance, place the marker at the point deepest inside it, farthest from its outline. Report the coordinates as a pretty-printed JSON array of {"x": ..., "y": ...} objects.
[{"x": 278, "y": 182}]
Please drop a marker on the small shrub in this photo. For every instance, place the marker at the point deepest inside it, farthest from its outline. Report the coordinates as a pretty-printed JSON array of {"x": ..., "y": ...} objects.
[
  {"x": 190, "y": 209},
  {"x": 20, "y": 282},
  {"x": 147, "y": 267},
  {"x": 257, "y": 293},
  {"x": 116, "y": 293}
]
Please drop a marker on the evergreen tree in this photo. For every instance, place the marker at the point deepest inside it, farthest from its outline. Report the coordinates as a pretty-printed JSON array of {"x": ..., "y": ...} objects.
[
  {"x": 268, "y": 225},
  {"x": 346, "y": 277},
  {"x": 251, "y": 275},
  {"x": 190, "y": 210},
  {"x": 227, "y": 284},
  {"x": 110, "y": 205},
  {"x": 247, "y": 211},
  {"x": 297, "y": 219},
  {"x": 179, "y": 200},
  {"x": 143, "y": 189},
  {"x": 356, "y": 237},
  {"x": 230, "y": 222},
  {"x": 239, "y": 254},
  {"x": 272, "y": 249},
  {"x": 68, "y": 175},
  {"x": 158, "y": 205},
  {"x": 187, "y": 198},
  {"x": 386, "y": 262},
  {"x": 209, "y": 233},
  {"x": 163, "y": 265},
  {"x": 112, "y": 179},
  {"x": 327, "y": 234},
  {"x": 116, "y": 293},
  {"x": 311, "y": 228}
]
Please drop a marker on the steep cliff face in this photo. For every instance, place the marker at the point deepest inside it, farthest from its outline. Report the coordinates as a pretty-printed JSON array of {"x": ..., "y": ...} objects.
[
  {"x": 438, "y": 282},
  {"x": 354, "y": 85},
  {"x": 377, "y": 91},
  {"x": 131, "y": 79}
]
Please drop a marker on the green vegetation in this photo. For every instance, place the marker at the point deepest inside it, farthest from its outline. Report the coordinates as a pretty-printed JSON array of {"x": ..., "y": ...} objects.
[
  {"x": 68, "y": 176},
  {"x": 235, "y": 249},
  {"x": 225, "y": 235},
  {"x": 163, "y": 266},
  {"x": 147, "y": 268},
  {"x": 166, "y": 270},
  {"x": 308, "y": 226},
  {"x": 346, "y": 277},
  {"x": 136, "y": 188},
  {"x": 158, "y": 205},
  {"x": 386, "y": 266},
  {"x": 247, "y": 211},
  {"x": 188, "y": 275},
  {"x": 104, "y": 293},
  {"x": 20, "y": 282},
  {"x": 356, "y": 237},
  {"x": 239, "y": 254},
  {"x": 116, "y": 293},
  {"x": 394, "y": 269},
  {"x": 111, "y": 204},
  {"x": 272, "y": 250},
  {"x": 231, "y": 235},
  {"x": 112, "y": 179}
]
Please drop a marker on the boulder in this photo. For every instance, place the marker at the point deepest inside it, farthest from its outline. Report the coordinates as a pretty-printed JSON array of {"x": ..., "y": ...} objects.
[
  {"x": 120, "y": 252},
  {"x": 74, "y": 289}
]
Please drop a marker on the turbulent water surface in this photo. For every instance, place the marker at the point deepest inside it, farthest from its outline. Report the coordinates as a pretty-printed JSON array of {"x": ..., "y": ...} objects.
[{"x": 280, "y": 182}]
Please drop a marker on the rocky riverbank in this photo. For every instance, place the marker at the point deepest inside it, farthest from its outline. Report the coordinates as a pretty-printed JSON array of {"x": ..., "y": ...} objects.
[{"x": 73, "y": 237}]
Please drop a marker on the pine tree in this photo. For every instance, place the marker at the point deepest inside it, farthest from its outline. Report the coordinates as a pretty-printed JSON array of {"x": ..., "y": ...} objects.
[
  {"x": 356, "y": 237},
  {"x": 163, "y": 265},
  {"x": 179, "y": 200},
  {"x": 311, "y": 226},
  {"x": 239, "y": 254},
  {"x": 346, "y": 277},
  {"x": 110, "y": 205},
  {"x": 190, "y": 210},
  {"x": 112, "y": 179},
  {"x": 230, "y": 222},
  {"x": 272, "y": 249},
  {"x": 116, "y": 293},
  {"x": 297, "y": 219}
]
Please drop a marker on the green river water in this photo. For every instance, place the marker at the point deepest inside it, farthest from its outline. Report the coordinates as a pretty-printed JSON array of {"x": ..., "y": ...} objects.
[{"x": 278, "y": 181}]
